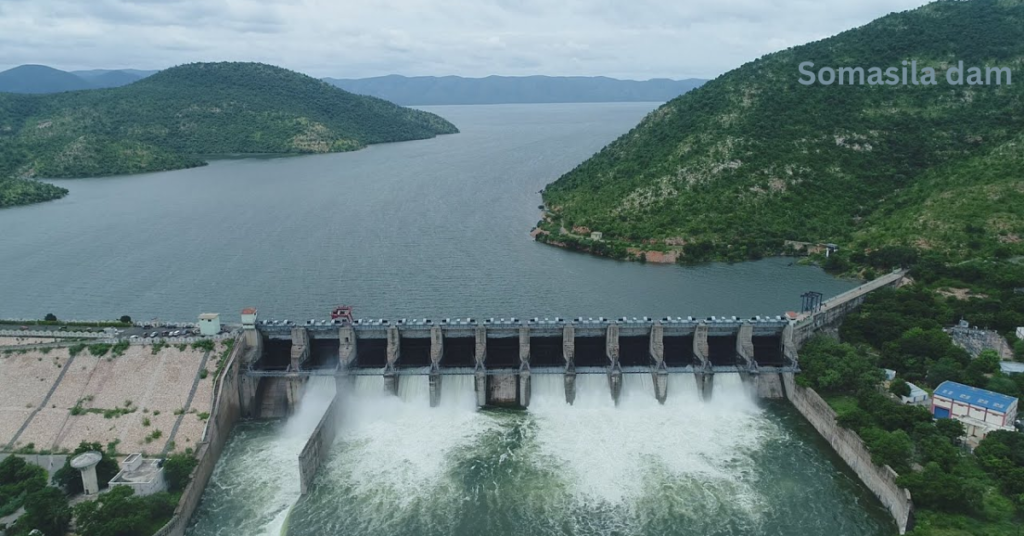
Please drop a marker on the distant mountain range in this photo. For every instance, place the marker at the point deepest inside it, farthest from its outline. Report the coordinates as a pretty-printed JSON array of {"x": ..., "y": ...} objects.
[
  {"x": 426, "y": 90},
  {"x": 43, "y": 79},
  {"x": 419, "y": 90}
]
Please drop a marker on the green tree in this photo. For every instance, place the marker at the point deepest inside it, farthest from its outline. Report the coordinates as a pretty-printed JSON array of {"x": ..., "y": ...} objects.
[
  {"x": 891, "y": 415},
  {"x": 18, "y": 479},
  {"x": 834, "y": 367},
  {"x": 178, "y": 470},
  {"x": 945, "y": 369},
  {"x": 125, "y": 319},
  {"x": 951, "y": 428},
  {"x": 899, "y": 387},
  {"x": 890, "y": 448},
  {"x": 939, "y": 449},
  {"x": 50, "y": 317},
  {"x": 939, "y": 490},
  {"x": 1001, "y": 383},
  {"x": 120, "y": 513},
  {"x": 46, "y": 510},
  {"x": 856, "y": 419},
  {"x": 976, "y": 373}
]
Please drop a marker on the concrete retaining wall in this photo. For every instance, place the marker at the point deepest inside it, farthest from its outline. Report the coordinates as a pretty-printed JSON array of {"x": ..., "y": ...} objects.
[
  {"x": 849, "y": 446},
  {"x": 318, "y": 446},
  {"x": 52, "y": 334},
  {"x": 222, "y": 420}
]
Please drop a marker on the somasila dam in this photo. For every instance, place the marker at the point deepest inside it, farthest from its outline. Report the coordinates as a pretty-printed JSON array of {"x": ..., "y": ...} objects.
[{"x": 533, "y": 426}]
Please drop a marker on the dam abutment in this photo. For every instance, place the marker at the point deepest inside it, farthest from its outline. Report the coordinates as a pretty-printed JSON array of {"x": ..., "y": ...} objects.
[{"x": 881, "y": 480}]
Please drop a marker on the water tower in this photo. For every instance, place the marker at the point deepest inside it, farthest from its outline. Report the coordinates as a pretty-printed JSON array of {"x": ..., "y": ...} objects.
[{"x": 86, "y": 463}]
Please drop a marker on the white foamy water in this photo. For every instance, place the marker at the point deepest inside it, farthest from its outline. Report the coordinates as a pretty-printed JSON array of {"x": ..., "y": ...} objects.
[
  {"x": 592, "y": 468},
  {"x": 257, "y": 483},
  {"x": 614, "y": 456},
  {"x": 396, "y": 447},
  {"x": 319, "y": 392},
  {"x": 682, "y": 389}
]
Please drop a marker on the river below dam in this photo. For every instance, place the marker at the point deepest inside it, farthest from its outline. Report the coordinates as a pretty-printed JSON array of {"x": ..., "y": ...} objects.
[{"x": 728, "y": 466}]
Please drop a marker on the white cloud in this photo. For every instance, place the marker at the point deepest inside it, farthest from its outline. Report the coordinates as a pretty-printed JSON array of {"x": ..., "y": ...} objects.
[{"x": 354, "y": 38}]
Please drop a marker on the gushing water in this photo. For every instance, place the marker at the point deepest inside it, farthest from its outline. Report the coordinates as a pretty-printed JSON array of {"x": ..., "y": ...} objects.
[
  {"x": 682, "y": 454},
  {"x": 402, "y": 468},
  {"x": 257, "y": 482}
]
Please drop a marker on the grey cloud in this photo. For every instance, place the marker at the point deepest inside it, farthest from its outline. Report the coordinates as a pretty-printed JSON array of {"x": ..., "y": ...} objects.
[{"x": 352, "y": 38}]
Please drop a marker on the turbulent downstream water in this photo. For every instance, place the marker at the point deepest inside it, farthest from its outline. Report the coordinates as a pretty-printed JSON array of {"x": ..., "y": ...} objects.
[{"x": 725, "y": 467}]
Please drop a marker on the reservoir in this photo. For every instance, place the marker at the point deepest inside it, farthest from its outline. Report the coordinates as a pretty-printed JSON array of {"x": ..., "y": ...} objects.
[
  {"x": 440, "y": 228},
  {"x": 435, "y": 228}
]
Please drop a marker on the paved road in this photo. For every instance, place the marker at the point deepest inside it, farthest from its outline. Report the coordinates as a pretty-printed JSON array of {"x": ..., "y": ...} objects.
[{"x": 855, "y": 293}]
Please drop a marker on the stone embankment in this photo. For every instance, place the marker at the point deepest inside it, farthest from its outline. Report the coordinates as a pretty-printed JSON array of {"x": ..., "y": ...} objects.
[
  {"x": 849, "y": 446},
  {"x": 225, "y": 413},
  {"x": 51, "y": 401}
]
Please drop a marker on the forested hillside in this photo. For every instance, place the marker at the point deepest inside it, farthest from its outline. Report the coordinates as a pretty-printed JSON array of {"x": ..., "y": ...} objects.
[
  {"x": 753, "y": 158},
  {"x": 15, "y": 192},
  {"x": 170, "y": 119}
]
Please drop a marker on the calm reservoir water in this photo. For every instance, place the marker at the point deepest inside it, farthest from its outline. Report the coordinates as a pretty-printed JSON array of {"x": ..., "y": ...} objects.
[
  {"x": 440, "y": 228},
  {"x": 435, "y": 228}
]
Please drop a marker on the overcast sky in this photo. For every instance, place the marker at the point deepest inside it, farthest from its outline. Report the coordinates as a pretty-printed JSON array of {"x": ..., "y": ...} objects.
[{"x": 637, "y": 39}]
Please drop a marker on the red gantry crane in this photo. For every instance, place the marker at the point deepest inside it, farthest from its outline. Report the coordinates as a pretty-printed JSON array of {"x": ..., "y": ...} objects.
[{"x": 343, "y": 313}]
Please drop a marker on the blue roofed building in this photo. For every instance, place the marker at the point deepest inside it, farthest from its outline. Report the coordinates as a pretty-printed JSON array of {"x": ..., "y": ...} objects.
[{"x": 980, "y": 410}]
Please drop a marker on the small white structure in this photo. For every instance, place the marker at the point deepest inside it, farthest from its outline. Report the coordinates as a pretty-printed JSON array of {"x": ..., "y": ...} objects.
[
  {"x": 86, "y": 463},
  {"x": 143, "y": 475},
  {"x": 890, "y": 374},
  {"x": 980, "y": 410},
  {"x": 917, "y": 395},
  {"x": 249, "y": 318},
  {"x": 1011, "y": 367},
  {"x": 209, "y": 323},
  {"x": 1020, "y": 334},
  {"x": 596, "y": 236}
]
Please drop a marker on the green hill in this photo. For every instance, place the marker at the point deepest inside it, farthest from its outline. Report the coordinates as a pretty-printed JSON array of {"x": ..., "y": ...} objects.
[
  {"x": 972, "y": 208},
  {"x": 753, "y": 158},
  {"x": 169, "y": 120}
]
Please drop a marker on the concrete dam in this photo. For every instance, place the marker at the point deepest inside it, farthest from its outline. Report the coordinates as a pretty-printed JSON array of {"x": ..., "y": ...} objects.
[
  {"x": 503, "y": 355},
  {"x": 345, "y": 378}
]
